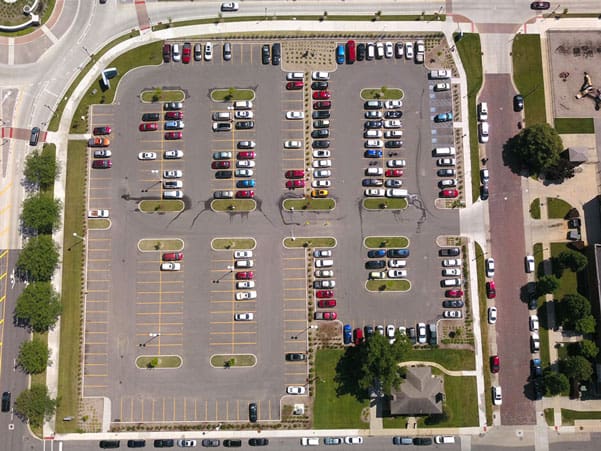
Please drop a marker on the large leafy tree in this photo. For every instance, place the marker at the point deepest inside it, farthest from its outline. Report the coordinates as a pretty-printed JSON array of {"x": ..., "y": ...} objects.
[
  {"x": 33, "y": 356},
  {"x": 555, "y": 383},
  {"x": 38, "y": 306},
  {"x": 588, "y": 349},
  {"x": 574, "y": 307},
  {"x": 35, "y": 404},
  {"x": 41, "y": 213},
  {"x": 573, "y": 260},
  {"x": 41, "y": 168},
  {"x": 576, "y": 367},
  {"x": 537, "y": 147},
  {"x": 547, "y": 284},
  {"x": 39, "y": 258},
  {"x": 586, "y": 325}
]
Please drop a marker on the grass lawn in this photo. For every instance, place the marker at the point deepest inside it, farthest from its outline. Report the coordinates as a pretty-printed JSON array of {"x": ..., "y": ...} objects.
[
  {"x": 568, "y": 125},
  {"x": 219, "y": 360},
  {"x": 98, "y": 223},
  {"x": 373, "y": 242},
  {"x": 164, "y": 361},
  {"x": 471, "y": 57},
  {"x": 330, "y": 410},
  {"x": 233, "y": 243},
  {"x": 159, "y": 206},
  {"x": 568, "y": 283},
  {"x": 568, "y": 416},
  {"x": 451, "y": 359},
  {"x": 557, "y": 208},
  {"x": 323, "y": 241},
  {"x": 159, "y": 244},
  {"x": 380, "y": 203},
  {"x": 461, "y": 405},
  {"x": 528, "y": 76},
  {"x": 233, "y": 205},
  {"x": 158, "y": 95},
  {"x": 308, "y": 203},
  {"x": 11, "y": 13},
  {"x": 549, "y": 417},
  {"x": 383, "y": 93},
  {"x": 232, "y": 94},
  {"x": 388, "y": 285},
  {"x": 535, "y": 209},
  {"x": 72, "y": 262}
]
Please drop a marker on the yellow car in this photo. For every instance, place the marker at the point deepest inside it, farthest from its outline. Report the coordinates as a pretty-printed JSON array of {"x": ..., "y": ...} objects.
[{"x": 319, "y": 193}]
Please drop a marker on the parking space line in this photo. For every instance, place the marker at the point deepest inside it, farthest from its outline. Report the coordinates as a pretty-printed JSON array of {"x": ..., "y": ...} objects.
[
  {"x": 237, "y": 409},
  {"x": 233, "y": 343},
  {"x": 238, "y": 332},
  {"x": 295, "y": 289},
  {"x": 293, "y": 278},
  {"x": 174, "y": 406},
  {"x": 185, "y": 404},
  {"x": 164, "y": 292},
  {"x": 295, "y": 320},
  {"x": 195, "y": 411},
  {"x": 142, "y": 410},
  {"x": 206, "y": 409},
  {"x": 152, "y": 409}
]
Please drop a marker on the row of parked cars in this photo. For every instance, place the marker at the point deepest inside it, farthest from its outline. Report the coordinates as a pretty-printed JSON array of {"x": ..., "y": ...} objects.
[
  {"x": 101, "y": 155},
  {"x": 323, "y": 262},
  {"x": 422, "y": 334},
  {"x": 351, "y": 51},
  {"x": 177, "y": 52},
  {"x": 393, "y": 259}
]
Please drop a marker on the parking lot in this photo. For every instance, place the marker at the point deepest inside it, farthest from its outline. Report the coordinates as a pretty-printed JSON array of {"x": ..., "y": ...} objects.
[{"x": 191, "y": 311}]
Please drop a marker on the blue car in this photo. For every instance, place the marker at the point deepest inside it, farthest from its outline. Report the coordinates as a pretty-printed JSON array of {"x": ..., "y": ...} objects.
[
  {"x": 373, "y": 153},
  {"x": 340, "y": 54},
  {"x": 376, "y": 253},
  {"x": 347, "y": 334},
  {"x": 372, "y": 182},
  {"x": 245, "y": 183},
  {"x": 443, "y": 117},
  {"x": 393, "y": 253}
]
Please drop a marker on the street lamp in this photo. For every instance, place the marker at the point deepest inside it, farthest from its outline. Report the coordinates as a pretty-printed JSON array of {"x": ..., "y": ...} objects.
[
  {"x": 312, "y": 326},
  {"x": 230, "y": 270},
  {"x": 152, "y": 336},
  {"x": 50, "y": 108},
  {"x": 80, "y": 238}
]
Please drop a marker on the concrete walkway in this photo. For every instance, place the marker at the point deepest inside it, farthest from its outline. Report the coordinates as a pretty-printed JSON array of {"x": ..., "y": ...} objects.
[{"x": 440, "y": 367}]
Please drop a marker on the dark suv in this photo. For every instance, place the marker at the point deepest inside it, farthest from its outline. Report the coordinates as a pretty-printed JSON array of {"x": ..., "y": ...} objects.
[
  {"x": 109, "y": 444},
  {"x": 265, "y": 54},
  {"x": 166, "y": 443},
  {"x": 6, "y": 401},
  {"x": 449, "y": 252},
  {"x": 252, "y": 412},
  {"x": 232, "y": 443},
  {"x": 136, "y": 443}
]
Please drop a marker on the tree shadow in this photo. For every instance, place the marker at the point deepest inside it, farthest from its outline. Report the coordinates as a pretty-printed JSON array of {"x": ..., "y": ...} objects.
[
  {"x": 511, "y": 160},
  {"x": 348, "y": 373}
]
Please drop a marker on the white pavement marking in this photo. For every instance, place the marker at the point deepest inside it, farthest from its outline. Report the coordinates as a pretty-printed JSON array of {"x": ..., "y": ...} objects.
[
  {"x": 11, "y": 51},
  {"x": 49, "y": 33}
]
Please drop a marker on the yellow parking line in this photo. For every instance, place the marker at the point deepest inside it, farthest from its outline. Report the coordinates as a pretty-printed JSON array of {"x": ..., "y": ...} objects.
[
  {"x": 6, "y": 188},
  {"x": 293, "y": 278},
  {"x": 233, "y": 343},
  {"x": 295, "y": 299},
  {"x": 295, "y": 310},
  {"x": 295, "y": 320},
  {"x": 234, "y": 333},
  {"x": 295, "y": 288},
  {"x": 295, "y": 268}
]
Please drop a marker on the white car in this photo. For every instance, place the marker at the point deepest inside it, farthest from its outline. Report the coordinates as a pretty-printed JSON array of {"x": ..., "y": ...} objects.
[
  {"x": 483, "y": 132},
  {"x": 173, "y": 194},
  {"x": 442, "y": 86},
  {"x": 208, "y": 51},
  {"x": 490, "y": 267},
  {"x": 320, "y": 76},
  {"x": 321, "y": 154},
  {"x": 392, "y": 123},
  {"x": 186, "y": 443},
  {"x": 244, "y": 316},
  {"x": 450, "y": 262},
  {"x": 322, "y": 253},
  {"x": 396, "y": 163},
  {"x": 393, "y": 104},
  {"x": 147, "y": 156},
  {"x": 390, "y": 331},
  {"x": 395, "y": 192},
  {"x": 534, "y": 342},
  {"x": 295, "y": 115},
  {"x": 98, "y": 213},
  {"x": 321, "y": 263},
  {"x": 245, "y": 164},
  {"x": 492, "y": 315},
  {"x": 373, "y": 115},
  {"x": 374, "y": 143},
  {"x": 244, "y": 173},
  {"x": 357, "y": 440},
  {"x": 322, "y": 284},
  {"x": 171, "y": 266},
  {"x": 497, "y": 395},
  {"x": 379, "y": 50},
  {"x": 173, "y": 174},
  {"x": 533, "y": 323},
  {"x": 397, "y": 273},
  {"x": 420, "y": 46},
  {"x": 293, "y": 144},
  {"x": 447, "y": 183},
  {"x": 324, "y": 273},
  {"x": 396, "y": 263},
  {"x": 295, "y": 390},
  {"x": 244, "y": 284},
  {"x": 246, "y": 295},
  {"x": 529, "y": 263},
  {"x": 244, "y": 263},
  {"x": 246, "y": 144},
  {"x": 230, "y": 6},
  {"x": 409, "y": 50},
  {"x": 421, "y": 333},
  {"x": 173, "y": 154},
  {"x": 393, "y": 134},
  {"x": 375, "y": 192},
  {"x": 321, "y": 184},
  {"x": 310, "y": 441},
  {"x": 244, "y": 114},
  {"x": 174, "y": 184},
  {"x": 322, "y": 163},
  {"x": 243, "y": 254},
  {"x": 322, "y": 173},
  {"x": 451, "y": 272},
  {"x": 453, "y": 314},
  {"x": 388, "y": 50}
]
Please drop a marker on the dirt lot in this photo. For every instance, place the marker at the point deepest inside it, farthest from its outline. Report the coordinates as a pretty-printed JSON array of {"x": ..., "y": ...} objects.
[{"x": 571, "y": 54}]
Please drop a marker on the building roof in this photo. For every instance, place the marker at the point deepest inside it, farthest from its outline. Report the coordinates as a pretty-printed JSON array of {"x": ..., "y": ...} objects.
[
  {"x": 421, "y": 393},
  {"x": 577, "y": 154}
]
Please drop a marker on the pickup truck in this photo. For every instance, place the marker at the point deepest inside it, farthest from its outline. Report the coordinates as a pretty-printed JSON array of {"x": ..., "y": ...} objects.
[
  {"x": 98, "y": 213},
  {"x": 440, "y": 74}
]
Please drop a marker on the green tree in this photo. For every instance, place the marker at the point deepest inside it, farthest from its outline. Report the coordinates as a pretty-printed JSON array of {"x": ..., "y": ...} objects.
[
  {"x": 573, "y": 260},
  {"x": 39, "y": 258},
  {"x": 39, "y": 306},
  {"x": 555, "y": 383},
  {"x": 33, "y": 356},
  {"x": 41, "y": 168},
  {"x": 379, "y": 362},
  {"x": 564, "y": 169},
  {"x": 537, "y": 147},
  {"x": 41, "y": 213},
  {"x": 585, "y": 325},
  {"x": 35, "y": 405},
  {"x": 588, "y": 349},
  {"x": 547, "y": 284},
  {"x": 574, "y": 308},
  {"x": 576, "y": 367}
]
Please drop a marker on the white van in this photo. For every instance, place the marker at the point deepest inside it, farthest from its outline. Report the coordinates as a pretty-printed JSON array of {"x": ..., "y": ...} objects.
[
  {"x": 373, "y": 105},
  {"x": 176, "y": 53},
  {"x": 483, "y": 132},
  {"x": 444, "y": 152},
  {"x": 447, "y": 283},
  {"x": 295, "y": 76},
  {"x": 319, "y": 263},
  {"x": 483, "y": 112},
  {"x": 320, "y": 76},
  {"x": 372, "y": 134},
  {"x": 529, "y": 263},
  {"x": 221, "y": 116},
  {"x": 309, "y": 441},
  {"x": 374, "y": 171},
  {"x": 446, "y": 439},
  {"x": 243, "y": 105},
  {"x": 371, "y": 51}
]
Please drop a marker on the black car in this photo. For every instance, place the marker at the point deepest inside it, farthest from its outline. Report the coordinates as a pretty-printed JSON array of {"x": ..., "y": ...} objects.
[
  {"x": 6, "y": 401},
  {"x": 445, "y": 173},
  {"x": 232, "y": 443},
  {"x": 258, "y": 442},
  {"x": 223, "y": 174},
  {"x": 393, "y": 114},
  {"x": 151, "y": 117},
  {"x": 373, "y": 124},
  {"x": 422, "y": 441},
  {"x": 402, "y": 440},
  {"x": 532, "y": 303},
  {"x": 538, "y": 388},
  {"x": 252, "y": 412},
  {"x": 412, "y": 335},
  {"x": 164, "y": 443},
  {"x": 136, "y": 443},
  {"x": 449, "y": 252},
  {"x": 398, "y": 49},
  {"x": 375, "y": 264},
  {"x": 276, "y": 54},
  {"x": 540, "y": 5},
  {"x": 368, "y": 331},
  {"x": 34, "y": 137},
  {"x": 536, "y": 369},
  {"x": 360, "y": 52},
  {"x": 210, "y": 443},
  {"x": 518, "y": 103},
  {"x": 322, "y": 133},
  {"x": 452, "y": 303},
  {"x": 109, "y": 444},
  {"x": 245, "y": 125},
  {"x": 395, "y": 144},
  {"x": 265, "y": 54},
  {"x": 372, "y": 182},
  {"x": 295, "y": 357},
  {"x": 320, "y": 115},
  {"x": 319, "y": 85},
  {"x": 574, "y": 223},
  {"x": 484, "y": 192},
  {"x": 323, "y": 144}
]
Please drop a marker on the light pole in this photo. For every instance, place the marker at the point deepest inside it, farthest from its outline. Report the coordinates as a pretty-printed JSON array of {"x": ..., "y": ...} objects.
[
  {"x": 50, "y": 108},
  {"x": 152, "y": 336},
  {"x": 312, "y": 326},
  {"x": 80, "y": 238},
  {"x": 230, "y": 270}
]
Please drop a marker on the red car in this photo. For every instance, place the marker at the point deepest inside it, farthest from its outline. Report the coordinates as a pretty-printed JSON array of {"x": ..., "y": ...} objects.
[
  {"x": 326, "y": 316},
  {"x": 293, "y": 85},
  {"x": 326, "y": 303},
  {"x": 295, "y": 174},
  {"x": 186, "y": 52},
  {"x": 540, "y": 5},
  {"x": 166, "y": 53},
  {"x": 173, "y": 256},
  {"x": 245, "y": 194},
  {"x": 495, "y": 364},
  {"x": 324, "y": 294},
  {"x": 174, "y": 135},
  {"x": 102, "y": 131},
  {"x": 321, "y": 95},
  {"x": 220, "y": 164},
  {"x": 102, "y": 164},
  {"x": 358, "y": 336},
  {"x": 246, "y": 155},
  {"x": 450, "y": 193},
  {"x": 245, "y": 275},
  {"x": 295, "y": 184},
  {"x": 453, "y": 293},
  {"x": 322, "y": 105},
  {"x": 148, "y": 127},
  {"x": 491, "y": 290},
  {"x": 174, "y": 115},
  {"x": 350, "y": 52},
  {"x": 393, "y": 173}
]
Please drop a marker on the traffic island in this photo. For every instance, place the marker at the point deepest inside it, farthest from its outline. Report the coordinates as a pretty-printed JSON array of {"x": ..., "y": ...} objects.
[
  {"x": 322, "y": 241},
  {"x": 383, "y": 93},
  {"x": 158, "y": 95},
  {"x": 233, "y": 205},
  {"x": 161, "y": 206},
  {"x": 385, "y": 203},
  {"x": 99, "y": 224},
  {"x": 159, "y": 362},
  {"x": 388, "y": 285},
  {"x": 225, "y": 244},
  {"x": 233, "y": 360},
  {"x": 160, "y": 244},
  {"x": 373, "y": 242},
  {"x": 309, "y": 204},
  {"x": 232, "y": 94}
]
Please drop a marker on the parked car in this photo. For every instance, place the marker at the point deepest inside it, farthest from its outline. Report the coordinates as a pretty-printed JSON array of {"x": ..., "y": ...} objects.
[
  {"x": 495, "y": 364},
  {"x": 491, "y": 291}
]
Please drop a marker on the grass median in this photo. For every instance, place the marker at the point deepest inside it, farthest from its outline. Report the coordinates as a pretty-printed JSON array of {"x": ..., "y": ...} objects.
[
  {"x": 383, "y": 285},
  {"x": 383, "y": 93},
  {"x": 309, "y": 204},
  {"x": 557, "y": 208},
  {"x": 233, "y": 360},
  {"x": 373, "y": 242},
  {"x": 233, "y": 205},
  {"x": 159, "y": 361},
  {"x": 161, "y": 206},
  {"x": 385, "y": 203},
  {"x": 160, "y": 95},
  {"x": 232, "y": 94},
  {"x": 304, "y": 241},
  {"x": 160, "y": 244},
  {"x": 223, "y": 244}
]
